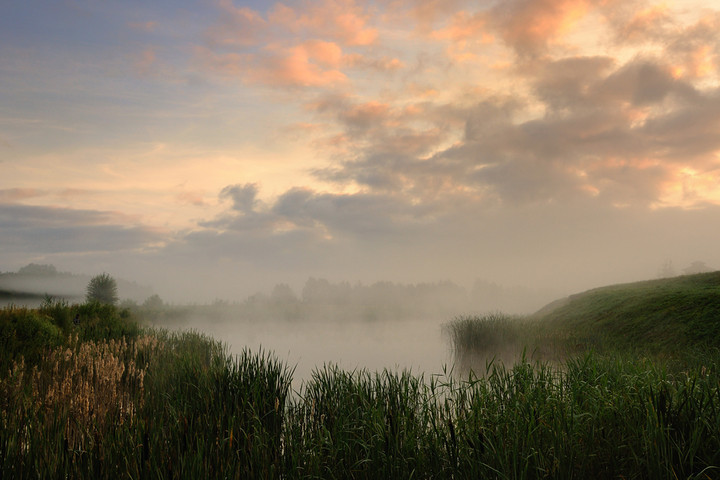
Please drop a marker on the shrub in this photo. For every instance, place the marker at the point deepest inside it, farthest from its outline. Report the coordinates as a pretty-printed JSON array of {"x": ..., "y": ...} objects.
[{"x": 102, "y": 289}]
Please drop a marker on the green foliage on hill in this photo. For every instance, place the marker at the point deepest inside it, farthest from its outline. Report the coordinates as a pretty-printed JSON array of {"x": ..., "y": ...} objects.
[{"x": 659, "y": 316}]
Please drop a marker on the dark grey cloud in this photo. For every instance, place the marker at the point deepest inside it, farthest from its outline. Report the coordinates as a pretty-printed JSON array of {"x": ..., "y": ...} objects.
[
  {"x": 690, "y": 132},
  {"x": 30, "y": 229},
  {"x": 362, "y": 215},
  {"x": 645, "y": 82},
  {"x": 243, "y": 196},
  {"x": 568, "y": 83}
]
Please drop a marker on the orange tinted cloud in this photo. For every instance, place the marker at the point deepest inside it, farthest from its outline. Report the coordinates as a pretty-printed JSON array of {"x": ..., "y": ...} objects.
[
  {"x": 645, "y": 23},
  {"x": 529, "y": 25},
  {"x": 327, "y": 54},
  {"x": 465, "y": 32},
  {"x": 463, "y": 27},
  {"x": 688, "y": 187},
  {"x": 694, "y": 50},
  {"x": 698, "y": 63},
  {"x": 381, "y": 64},
  {"x": 340, "y": 20},
  {"x": 310, "y": 64},
  {"x": 425, "y": 13}
]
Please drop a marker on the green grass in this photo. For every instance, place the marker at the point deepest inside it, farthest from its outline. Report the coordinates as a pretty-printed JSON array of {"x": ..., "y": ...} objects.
[
  {"x": 667, "y": 315},
  {"x": 107, "y": 399}
]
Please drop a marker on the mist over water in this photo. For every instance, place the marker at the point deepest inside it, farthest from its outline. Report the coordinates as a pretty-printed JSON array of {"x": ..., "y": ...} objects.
[
  {"x": 383, "y": 325},
  {"x": 417, "y": 345},
  {"x": 353, "y": 326}
]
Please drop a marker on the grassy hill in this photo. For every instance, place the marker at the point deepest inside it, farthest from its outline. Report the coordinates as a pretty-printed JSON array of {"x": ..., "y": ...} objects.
[
  {"x": 666, "y": 318},
  {"x": 657, "y": 315}
]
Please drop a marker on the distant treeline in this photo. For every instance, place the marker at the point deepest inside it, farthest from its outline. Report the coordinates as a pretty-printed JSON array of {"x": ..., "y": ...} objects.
[
  {"x": 321, "y": 299},
  {"x": 31, "y": 284}
]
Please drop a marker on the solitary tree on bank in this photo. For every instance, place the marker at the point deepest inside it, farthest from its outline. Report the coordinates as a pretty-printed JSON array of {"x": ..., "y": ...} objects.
[{"x": 103, "y": 289}]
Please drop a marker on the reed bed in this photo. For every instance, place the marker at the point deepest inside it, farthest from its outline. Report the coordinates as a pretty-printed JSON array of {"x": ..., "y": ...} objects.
[{"x": 176, "y": 405}]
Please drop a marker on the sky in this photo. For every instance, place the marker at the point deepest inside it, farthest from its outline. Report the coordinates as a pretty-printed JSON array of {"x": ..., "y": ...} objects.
[{"x": 214, "y": 148}]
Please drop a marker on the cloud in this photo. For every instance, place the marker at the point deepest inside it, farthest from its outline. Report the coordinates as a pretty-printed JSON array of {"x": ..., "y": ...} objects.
[
  {"x": 343, "y": 21},
  {"x": 362, "y": 215},
  {"x": 614, "y": 132},
  {"x": 338, "y": 21},
  {"x": 191, "y": 198},
  {"x": 238, "y": 26},
  {"x": 530, "y": 26},
  {"x": 374, "y": 236},
  {"x": 424, "y": 13},
  {"x": 466, "y": 33},
  {"x": 695, "y": 50},
  {"x": 26, "y": 230},
  {"x": 381, "y": 126},
  {"x": 644, "y": 82},
  {"x": 652, "y": 22},
  {"x": 305, "y": 45},
  {"x": 243, "y": 196},
  {"x": 312, "y": 64},
  {"x": 380, "y": 64},
  {"x": 692, "y": 49},
  {"x": 12, "y": 195},
  {"x": 569, "y": 83}
]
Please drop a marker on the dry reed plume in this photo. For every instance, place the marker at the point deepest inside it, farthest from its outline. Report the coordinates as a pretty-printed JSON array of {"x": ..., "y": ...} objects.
[{"x": 88, "y": 384}]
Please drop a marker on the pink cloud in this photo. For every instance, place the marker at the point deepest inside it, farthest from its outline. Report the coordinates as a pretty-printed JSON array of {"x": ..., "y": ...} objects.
[
  {"x": 465, "y": 32},
  {"x": 339, "y": 20},
  {"x": 464, "y": 26},
  {"x": 327, "y": 54},
  {"x": 306, "y": 65},
  {"x": 381, "y": 64},
  {"x": 191, "y": 198},
  {"x": 11, "y": 195},
  {"x": 530, "y": 25},
  {"x": 425, "y": 13}
]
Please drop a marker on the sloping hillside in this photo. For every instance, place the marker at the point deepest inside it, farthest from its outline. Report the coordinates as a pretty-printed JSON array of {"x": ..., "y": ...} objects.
[{"x": 658, "y": 315}]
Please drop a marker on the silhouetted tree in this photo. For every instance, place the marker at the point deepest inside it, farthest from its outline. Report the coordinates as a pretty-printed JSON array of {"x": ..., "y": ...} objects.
[
  {"x": 103, "y": 289},
  {"x": 667, "y": 270},
  {"x": 40, "y": 270},
  {"x": 282, "y": 293},
  {"x": 153, "y": 302},
  {"x": 696, "y": 267}
]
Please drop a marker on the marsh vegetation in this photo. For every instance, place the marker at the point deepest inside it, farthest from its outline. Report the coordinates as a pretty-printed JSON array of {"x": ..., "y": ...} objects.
[{"x": 107, "y": 398}]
